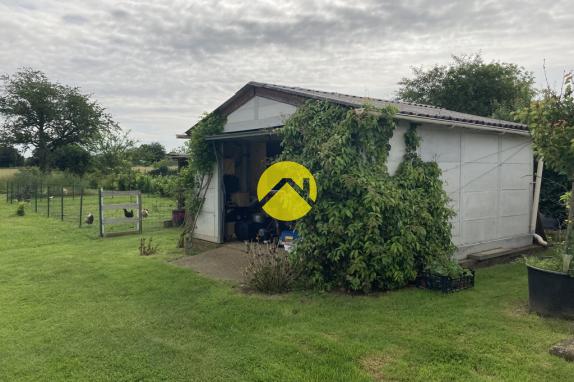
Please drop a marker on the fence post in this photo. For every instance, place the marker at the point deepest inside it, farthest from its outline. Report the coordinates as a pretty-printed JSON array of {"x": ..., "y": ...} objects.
[
  {"x": 62, "y": 204},
  {"x": 81, "y": 204},
  {"x": 7, "y": 192},
  {"x": 101, "y": 217},
  {"x": 48, "y": 198},
  {"x": 140, "y": 220},
  {"x": 36, "y": 198}
]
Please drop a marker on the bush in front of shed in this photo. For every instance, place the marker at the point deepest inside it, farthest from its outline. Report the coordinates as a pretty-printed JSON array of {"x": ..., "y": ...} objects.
[{"x": 368, "y": 230}]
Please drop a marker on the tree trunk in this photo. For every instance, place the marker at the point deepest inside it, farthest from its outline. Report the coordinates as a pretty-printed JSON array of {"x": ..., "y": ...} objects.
[
  {"x": 42, "y": 152},
  {"x": 569, "y": 227}
]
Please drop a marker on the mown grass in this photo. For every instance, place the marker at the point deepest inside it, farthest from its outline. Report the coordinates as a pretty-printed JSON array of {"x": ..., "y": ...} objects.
[{"x": 75, "y": 307}]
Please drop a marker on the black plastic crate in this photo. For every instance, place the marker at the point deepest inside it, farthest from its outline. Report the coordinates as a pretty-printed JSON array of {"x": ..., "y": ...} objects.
[{"x": 445, "y": 284}]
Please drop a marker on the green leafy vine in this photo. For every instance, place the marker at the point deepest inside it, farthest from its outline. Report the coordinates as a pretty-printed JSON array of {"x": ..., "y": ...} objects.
[
  {"x": 194, "y": 178},
  {"x": 368, "y": 230}
]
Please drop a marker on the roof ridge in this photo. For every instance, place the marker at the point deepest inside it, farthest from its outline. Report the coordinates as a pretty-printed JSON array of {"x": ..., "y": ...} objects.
[
  {"x": 267, "y": 84},
  {"x": 405, "y": 108}
]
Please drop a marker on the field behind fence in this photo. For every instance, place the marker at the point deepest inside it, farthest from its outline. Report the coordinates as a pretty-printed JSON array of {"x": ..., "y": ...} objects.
[{"x": 72, "y": 204}]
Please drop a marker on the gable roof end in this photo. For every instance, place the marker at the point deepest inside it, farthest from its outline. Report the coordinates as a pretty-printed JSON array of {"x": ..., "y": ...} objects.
[{"x": 297, "y": 96}]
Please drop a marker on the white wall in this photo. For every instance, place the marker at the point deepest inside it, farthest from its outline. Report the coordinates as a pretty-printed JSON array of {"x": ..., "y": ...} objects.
[
  {"x": 258, "y": 113},
  {"x": 209, "y": 220},
  {"x": 488, "y": 178},
  {"x": 486, "y": 175}
]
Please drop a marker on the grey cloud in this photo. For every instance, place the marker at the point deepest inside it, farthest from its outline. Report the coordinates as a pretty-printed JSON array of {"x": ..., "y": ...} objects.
[
  {"x": 157, "y": 65},
  {"x": 75, "y": 19}
]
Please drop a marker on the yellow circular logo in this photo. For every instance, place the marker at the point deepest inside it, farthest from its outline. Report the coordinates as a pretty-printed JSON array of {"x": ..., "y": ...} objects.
[{"x": 286, "y": 190}]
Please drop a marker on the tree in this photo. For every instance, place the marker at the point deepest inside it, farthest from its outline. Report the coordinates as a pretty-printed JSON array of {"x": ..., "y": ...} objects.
[
  {"x": 112, "y": 152},
  {"x": 72, "y": 158},
  {"x": 10, "y": 156},
  {"x": 148, "y": 153},
  {"x": 551, "y": 124},
  {"x": 46, "y": 115},
  {"x": 469, "y": 85}
]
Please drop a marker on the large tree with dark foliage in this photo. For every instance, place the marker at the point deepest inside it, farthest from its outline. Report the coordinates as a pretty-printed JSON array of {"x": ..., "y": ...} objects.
[
  {"x": 46, "y": 115},
  {"x": 72, "y": 158},
  {"x": 148, "y": 153},
  {"x": 470, "y": 85},
  {"x": 10, "y": 156}
]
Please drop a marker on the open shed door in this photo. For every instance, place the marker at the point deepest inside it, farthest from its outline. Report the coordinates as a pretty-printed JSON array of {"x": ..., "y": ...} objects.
[{"x": 208, "y": 225}]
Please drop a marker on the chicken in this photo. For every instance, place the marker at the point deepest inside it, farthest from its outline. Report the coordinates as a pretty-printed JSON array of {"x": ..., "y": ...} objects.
[
  {"x": 145, "y": 213},
  {"x": 128, "y": 214},
  {"x": 89, "y": 218}
]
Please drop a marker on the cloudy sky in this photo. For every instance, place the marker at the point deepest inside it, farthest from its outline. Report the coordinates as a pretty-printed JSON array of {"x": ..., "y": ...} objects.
[{"x": 157, "y": 65}]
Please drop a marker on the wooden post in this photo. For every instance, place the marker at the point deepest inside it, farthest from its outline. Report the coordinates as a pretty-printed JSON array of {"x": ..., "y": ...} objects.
[
  {"x": 81, "y": 204},
  {"x": 7, "y": 192},
  {"x": 48, "y": 198},
  {"x": 62, "y": 204},
  {"x": 140, "y": 219},
  {"x": 36, "y": 198},
  {"x": 101, "y": 213}
]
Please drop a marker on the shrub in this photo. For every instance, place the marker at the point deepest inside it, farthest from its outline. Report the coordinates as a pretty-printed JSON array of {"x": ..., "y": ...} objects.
[
  {"x": 21, "y": 209},
  {"x": 368, "y": 230},
  {"x": 269, "y": 270},
  {"x": 147, "y": 248}
]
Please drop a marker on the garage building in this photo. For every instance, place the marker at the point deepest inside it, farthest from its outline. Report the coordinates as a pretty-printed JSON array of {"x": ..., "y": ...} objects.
[{"x": 487, "y": 164}]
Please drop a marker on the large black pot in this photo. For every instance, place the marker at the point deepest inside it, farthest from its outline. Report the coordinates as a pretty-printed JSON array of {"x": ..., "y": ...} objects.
[{"x": 550, "y": 293}]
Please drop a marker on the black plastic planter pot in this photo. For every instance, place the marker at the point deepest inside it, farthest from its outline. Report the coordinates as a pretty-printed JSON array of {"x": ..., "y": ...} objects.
[
  {"x": 445, "y": 284},
  {"x": 550, "y": 293}
]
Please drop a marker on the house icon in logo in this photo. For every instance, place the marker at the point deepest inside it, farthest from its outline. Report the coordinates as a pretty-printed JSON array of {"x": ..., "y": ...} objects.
[{"x": 287, "y": 191}]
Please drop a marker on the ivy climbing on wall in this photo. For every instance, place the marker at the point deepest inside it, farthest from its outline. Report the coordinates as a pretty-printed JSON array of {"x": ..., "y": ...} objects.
[
  {"x": 194, "y": 178},
  {"x": 368, "y": 230}
]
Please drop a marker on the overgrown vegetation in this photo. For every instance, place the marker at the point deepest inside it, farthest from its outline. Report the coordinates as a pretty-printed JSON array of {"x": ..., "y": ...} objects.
[
  {"x": 368, "y": 230},
  {"x": 270, "y": 270},
  {"x": 551, "y": 124}
]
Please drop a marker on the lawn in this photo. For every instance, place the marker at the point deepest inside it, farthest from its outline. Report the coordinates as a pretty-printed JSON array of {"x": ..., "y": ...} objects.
[{"x": 76, "y": 307}]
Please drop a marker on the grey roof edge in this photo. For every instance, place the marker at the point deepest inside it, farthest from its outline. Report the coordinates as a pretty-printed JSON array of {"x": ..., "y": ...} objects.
[{"x": 406, "y": 110}]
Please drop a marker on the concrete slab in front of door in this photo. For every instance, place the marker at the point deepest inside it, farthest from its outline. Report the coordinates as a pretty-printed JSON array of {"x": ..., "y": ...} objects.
[{"x": 226, "y": 262}]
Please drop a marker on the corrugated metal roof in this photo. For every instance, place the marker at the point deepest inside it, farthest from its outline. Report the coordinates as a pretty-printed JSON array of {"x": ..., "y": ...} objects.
[{"x": 405, "y": 108}]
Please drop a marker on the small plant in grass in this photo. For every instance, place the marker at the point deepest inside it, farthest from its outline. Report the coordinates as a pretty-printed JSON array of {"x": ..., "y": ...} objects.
[
  {"x": 147, "y": 248},
  {"x": 21, "y": 209},
  {"x": 270, "y": 270}
]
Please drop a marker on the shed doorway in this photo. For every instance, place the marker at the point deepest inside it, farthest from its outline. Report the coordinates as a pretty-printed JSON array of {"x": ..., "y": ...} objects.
[{"x": 243, "y": 160}]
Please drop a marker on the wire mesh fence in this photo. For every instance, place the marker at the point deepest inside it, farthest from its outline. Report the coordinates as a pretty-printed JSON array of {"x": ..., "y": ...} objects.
[{"x": 80, "y": 206}]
